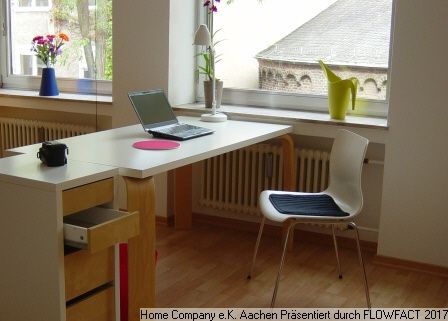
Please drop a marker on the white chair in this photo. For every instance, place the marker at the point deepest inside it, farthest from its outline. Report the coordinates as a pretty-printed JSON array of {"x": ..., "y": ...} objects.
[{"x": 339, "y": 203}]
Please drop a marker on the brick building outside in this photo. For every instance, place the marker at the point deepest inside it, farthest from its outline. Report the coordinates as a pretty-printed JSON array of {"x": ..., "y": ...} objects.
[{"x": 351, "y": 36}]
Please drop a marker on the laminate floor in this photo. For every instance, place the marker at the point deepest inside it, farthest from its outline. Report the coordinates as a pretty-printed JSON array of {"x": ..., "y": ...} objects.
[{"x": 207, "y": 267}]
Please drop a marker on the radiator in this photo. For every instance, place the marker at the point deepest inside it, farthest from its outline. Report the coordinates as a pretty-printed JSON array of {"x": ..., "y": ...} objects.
[
  {"x": 20, "y": 132},
  {"x": 233, "y": 181}
]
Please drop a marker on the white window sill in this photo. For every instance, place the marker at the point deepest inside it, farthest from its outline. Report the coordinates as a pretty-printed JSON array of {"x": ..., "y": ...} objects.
[
  {"x": 61, "y": 96},
  {"x": 304, "y": 122},
  {"x": 64, "y": 102}
]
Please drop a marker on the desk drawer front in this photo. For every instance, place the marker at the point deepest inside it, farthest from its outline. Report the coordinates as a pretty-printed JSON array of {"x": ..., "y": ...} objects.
[
  {"x": 85, "y": 271},
  {"x": 98, "y": 228},
  {"x": 98, "y": 307},
  {"x": 87, "y": 196}
]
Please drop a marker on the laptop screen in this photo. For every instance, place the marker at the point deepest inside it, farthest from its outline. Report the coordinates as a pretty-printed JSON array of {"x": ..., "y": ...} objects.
[{"x": 152, "y": 108}]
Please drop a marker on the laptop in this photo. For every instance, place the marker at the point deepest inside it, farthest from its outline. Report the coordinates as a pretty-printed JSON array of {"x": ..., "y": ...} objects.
[{"x": 157, "y": 116}]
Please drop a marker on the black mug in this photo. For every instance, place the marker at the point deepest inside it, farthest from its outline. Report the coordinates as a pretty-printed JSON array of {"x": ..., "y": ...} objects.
[{"x": 53, "y": 153}]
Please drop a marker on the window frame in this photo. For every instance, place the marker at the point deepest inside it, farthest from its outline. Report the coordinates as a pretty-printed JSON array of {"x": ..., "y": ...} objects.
[
  {"x": 34, "y": 7},
  {"x": 28, "y": 82},
  {"x": 302, "y": 102}
]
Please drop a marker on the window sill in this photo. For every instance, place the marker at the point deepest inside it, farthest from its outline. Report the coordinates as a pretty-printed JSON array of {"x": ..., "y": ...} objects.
[
  {"x": 64, "y": 102},
  {"x": 304, "y": 122},
  {"x": 61, "y": 96}
]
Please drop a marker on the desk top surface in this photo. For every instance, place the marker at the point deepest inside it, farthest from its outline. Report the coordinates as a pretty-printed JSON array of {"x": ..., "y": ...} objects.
[
  {"x": 28, "y": 170},
  {"x": 114, "y": 147}
]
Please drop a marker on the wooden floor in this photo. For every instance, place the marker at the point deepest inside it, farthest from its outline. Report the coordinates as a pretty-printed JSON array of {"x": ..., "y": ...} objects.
[{"x": 207, "y": 267}]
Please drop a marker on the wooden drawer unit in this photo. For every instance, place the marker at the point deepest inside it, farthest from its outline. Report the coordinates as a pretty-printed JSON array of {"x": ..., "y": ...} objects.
[
  {"x": 87, "y": 196},
  {"x": 85, "y": 271},
  {"x": 96, "y": 307},
  {"x": 98, "y": 228},
  {"x": 90, "y": 271},
  {"x": 64, "y": 282}
]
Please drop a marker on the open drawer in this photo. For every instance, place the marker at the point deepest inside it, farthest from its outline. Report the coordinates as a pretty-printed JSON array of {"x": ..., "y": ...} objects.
[{"x": 98, "y": 228}]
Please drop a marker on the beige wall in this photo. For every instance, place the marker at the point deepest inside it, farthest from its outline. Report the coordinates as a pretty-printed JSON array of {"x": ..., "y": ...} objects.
[
  {"x": 140, "y": 51},
  {"x": 152, "y": 48},
  {"x": 414, "y": 218}
]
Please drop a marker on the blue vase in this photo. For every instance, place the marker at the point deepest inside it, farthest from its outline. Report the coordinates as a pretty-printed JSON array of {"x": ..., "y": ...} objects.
[{"x": 48, "y": 84}]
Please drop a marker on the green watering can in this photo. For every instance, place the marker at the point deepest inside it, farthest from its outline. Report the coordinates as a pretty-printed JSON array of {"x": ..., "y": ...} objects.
[{"x": 339, "y": 92}]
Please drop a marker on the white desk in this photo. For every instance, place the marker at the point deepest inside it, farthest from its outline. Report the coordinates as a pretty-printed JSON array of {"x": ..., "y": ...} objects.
[{"x": 114, "y": 148}]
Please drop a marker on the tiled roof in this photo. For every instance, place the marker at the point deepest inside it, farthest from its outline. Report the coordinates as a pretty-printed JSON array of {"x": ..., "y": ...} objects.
[{"x": 349, "y": 32}]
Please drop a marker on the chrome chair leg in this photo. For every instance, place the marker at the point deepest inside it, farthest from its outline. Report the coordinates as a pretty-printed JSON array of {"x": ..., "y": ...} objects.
[
  {"x": 285, "y": 245},
  {"x": 361, "y": 262},
  {"x": 336, "y": 251},
  {"x": 257, "y": 244}
]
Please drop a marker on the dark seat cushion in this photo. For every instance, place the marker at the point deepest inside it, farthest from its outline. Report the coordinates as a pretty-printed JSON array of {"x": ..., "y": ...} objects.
[{"x": 311, "y": 205}]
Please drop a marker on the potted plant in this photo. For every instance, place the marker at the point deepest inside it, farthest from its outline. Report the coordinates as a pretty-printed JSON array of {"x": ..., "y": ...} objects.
[
  {"x": 48, "y": 48},
  {"x": 209, "y": 57},
  {"x": 208, "y": 60},
  {"x": 207, "y": 69}
]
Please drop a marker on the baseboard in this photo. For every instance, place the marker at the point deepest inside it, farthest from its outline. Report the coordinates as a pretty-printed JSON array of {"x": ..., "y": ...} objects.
[
  {"x": 299, "y": 236},
  {"x": 411, "y": 265},
  {"x": 165, "y": 221}
]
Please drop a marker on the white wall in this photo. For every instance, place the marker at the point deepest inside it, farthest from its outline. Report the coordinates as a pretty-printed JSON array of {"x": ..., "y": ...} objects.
[{"x": 414, "y": 218}]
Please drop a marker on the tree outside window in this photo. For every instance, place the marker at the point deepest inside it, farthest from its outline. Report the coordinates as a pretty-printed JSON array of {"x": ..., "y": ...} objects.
[{"x": 88, "y": 24}]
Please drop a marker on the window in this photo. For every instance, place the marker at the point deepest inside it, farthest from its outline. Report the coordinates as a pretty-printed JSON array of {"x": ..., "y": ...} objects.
[
  {"x": 42, "y": 3},
  {"x": 87, "y": 56},
  {"x": 269, "y": 50},
  {"x": 24, "y": 3},
  {"x": 26, "y": 63}
]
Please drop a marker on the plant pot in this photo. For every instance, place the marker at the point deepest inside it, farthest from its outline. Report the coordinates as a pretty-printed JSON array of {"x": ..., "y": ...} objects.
[
  {"x": 48, "y": 84},
  {"x": 208, "y": 93}
]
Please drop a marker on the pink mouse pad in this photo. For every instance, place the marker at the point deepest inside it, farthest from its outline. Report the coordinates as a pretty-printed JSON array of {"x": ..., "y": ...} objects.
[{"x": 156, "y": 144}]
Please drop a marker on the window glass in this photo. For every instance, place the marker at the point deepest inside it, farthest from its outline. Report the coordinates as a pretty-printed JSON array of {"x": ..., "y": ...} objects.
[
  {"x": 88, "y": 24},
  {"x": 26, "y": 62},
  {"x": 275, "y": 45},
  {"x": 42, "y": 3},
  {"x": 24, "y": 3}
]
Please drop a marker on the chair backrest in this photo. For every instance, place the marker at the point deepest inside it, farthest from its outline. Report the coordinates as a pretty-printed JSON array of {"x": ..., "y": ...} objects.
[{"x": 346, "y": 160}]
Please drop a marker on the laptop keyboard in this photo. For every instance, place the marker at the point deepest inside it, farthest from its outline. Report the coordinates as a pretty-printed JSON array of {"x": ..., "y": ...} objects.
[{"x": 181, "y": 129}]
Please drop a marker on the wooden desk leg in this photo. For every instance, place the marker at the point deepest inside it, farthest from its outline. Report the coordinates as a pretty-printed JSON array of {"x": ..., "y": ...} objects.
[
  {"x": 183, "y": 197},
  {"x": 141, "y": 249},
  {"x": 289, "y": 163},
  {"x": 289, "y": 178}
]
